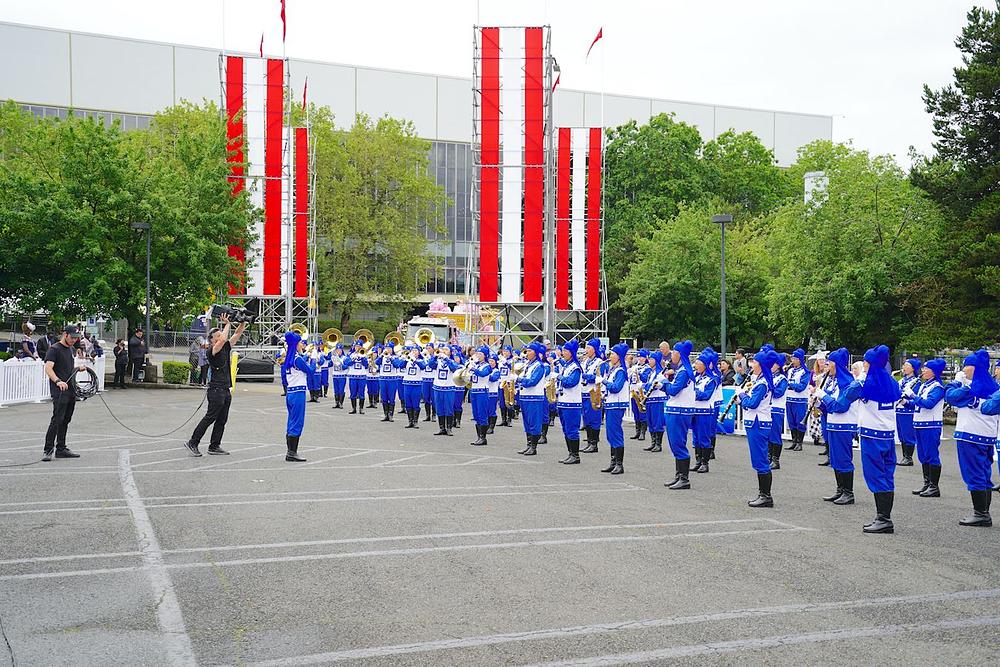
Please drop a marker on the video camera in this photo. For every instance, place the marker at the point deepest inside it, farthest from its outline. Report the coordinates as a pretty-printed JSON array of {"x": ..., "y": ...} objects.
[{"x": 248, "y": 312}]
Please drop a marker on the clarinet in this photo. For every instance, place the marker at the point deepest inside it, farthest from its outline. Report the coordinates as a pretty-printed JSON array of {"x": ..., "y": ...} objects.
[{"x": 732, "y": 401}]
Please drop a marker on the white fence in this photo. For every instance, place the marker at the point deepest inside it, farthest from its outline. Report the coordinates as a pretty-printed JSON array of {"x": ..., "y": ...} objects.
[{"x": 26, "y": 382}]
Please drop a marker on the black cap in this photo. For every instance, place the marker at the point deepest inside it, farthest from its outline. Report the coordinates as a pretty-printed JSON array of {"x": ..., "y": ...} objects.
[{"x": 72, "y": 330}]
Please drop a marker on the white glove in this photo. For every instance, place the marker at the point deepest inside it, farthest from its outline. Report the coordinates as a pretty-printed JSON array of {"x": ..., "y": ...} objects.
[
  {"x": 908, "y": 392},
  {"x": 598, "y": 380},
  {"x": 960, "y": 377}
]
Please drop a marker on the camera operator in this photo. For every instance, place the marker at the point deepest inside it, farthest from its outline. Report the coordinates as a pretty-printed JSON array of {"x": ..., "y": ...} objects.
[
  {"x": 219, "y": 398},
  {"x": 60, "y": 367}
]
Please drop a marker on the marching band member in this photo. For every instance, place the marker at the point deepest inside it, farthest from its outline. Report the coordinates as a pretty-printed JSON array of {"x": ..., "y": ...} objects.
[
  {"x": 357, "y": 371},
  {"x": 656, "y": 398},
  {"x": 678, "y": 409},
  {"x": 839, "y": 400},
  {"x": 371, "y": 377},
  {"x": 797, "y": 398},
  {"x": 493, "y": 392},
  {"x": 904, "y": 411},
  {"x": 927, "y": 400},
  {"x": 977, "y": 403},
  {"x": 324, "y": 369},
  {"x": 458, "y": 393},
  {"x": 532, "y": 383},
  {"x": 505, "y": 364},
  {"x": 592, "y": 365},
  {"x": 638, "y": 375},
  {"x": 825, "y": 379},
  {"x": 315, "y": 383},
  {"x": 427, "y": 381},
  {"x": 996, "y": 376},
  {"x": 553, "y": 359},
  {"x": 780, "y": 383},
  {"x": 877, "y": 427},
  {"x": 756, "y": 420},
  {"x": 479, "y": 397},
  {"x": 338, "y": 372},
  {"x": 412, "y": 382},
  {"x": 704, "y": 415},
  {"x": 388, "y": 379},
  {"x": 279, "y": 358},
  {"x": 615, "y": 404},
  {"x": 715, "y": 369},
  {"x": 444, "y": 403},
  {"x": 298, "y": 369},
  {"x": 570, "y": 400}
]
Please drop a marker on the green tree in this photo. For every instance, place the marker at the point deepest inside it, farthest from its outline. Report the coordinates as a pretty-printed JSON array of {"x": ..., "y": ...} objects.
[
  {"x": 375, "y": 204},
  {"x": 963, "y": 308},
  {"x": 69, "y": 190},
  {"x": 743, "y": 171}
]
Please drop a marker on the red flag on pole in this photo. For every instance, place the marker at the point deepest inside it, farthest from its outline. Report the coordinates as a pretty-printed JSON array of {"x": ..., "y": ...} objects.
[
  {"x": 556, "y": 82},
  {"x": 261, "y": 45},
  {"x": 600, "y": 33},
  {"x": 305, "y": 87},
  {"x": 284, "y": 27}
]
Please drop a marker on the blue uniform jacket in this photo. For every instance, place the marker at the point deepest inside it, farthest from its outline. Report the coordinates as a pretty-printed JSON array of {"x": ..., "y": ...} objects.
[{"x": 843, "y": 402}]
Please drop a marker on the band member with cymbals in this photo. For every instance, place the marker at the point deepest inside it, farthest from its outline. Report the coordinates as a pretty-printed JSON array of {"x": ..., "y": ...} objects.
[
  {"x": 927, "y": 400},
  {"x": 533, "y": 402},
  {"x": 904, "y": 411},
  {"x": 797, "y": 398},
  {"x": 592, "y": 365},
  {"x": 756, "y": 403},
  {"x": 656, "y": 399},
  {"x": 780, "y": 383},
  {"x": 839, "y": 401},
  {"x": 298, "y": 368},
  {"x": 679, "y": 407},
  {"x": 615, "y": 404},
  {"x": 704, "y": 417},
  {"x": 570, "y": 398}
]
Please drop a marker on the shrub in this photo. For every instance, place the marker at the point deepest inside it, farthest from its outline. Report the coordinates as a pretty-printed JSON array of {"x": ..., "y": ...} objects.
[
  {"x": 4, "y": 356},
  {"x": 176, "y": 372}
]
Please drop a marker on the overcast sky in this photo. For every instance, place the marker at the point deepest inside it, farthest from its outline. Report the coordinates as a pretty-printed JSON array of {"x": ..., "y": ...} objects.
[{"x": 862, "y": 61}]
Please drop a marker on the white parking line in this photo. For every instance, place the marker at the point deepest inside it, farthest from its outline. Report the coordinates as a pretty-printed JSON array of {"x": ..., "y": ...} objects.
[
  {"x": 168, "y": 611},
  {"x": 188, "y": 457},
  {"x": 617, "y": 627},
  {"x": 344, "y": 456},
  {"x": 405, "y": 458}
]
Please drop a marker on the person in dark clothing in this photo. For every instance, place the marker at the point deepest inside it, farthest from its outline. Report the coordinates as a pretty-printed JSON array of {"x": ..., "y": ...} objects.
[
  {"x": 219, "y": 397},
  {"x": 60, "y": 367},
  {"x": 121, "y": 363},
  {"x": 44, "y": 343},
  {"x": 728, "y": 374},
  {"x": 137, "y": 353}
]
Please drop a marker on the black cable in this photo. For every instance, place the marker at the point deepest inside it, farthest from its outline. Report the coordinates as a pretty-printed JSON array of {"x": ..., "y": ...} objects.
[
  {"x": 146, "y": 435},
  {"x": 10, "y": 649},
  {"x": 21, "y": 465}
]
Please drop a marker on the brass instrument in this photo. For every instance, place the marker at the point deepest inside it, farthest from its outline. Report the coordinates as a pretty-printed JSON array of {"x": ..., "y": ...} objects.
[
  {"x": 425, "y": 336},
  {"x": 510, "y": 386},
  {"x": 332, "y": 336},
  {"x": 365, "y": 336},
  {"x": 300, "y": 329},
  {"x": 394, "y": 338},
  {"x": 639, "y": 396},
  {"x": 462, "y": 378},
  {"x": 552, "y": 389},
  {"x": 813, "y": 406},
  {"x": 596, "y": 399}
]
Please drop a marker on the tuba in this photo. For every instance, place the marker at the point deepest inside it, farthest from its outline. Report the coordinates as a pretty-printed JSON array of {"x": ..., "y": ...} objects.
[
  {"x": 365, "y": 336},
  {"x": 331, "y": 337},
  {"x": 424, "y": 336},
  {"x": 300, "y": 329},
  {"x": 393, "y": 338}
]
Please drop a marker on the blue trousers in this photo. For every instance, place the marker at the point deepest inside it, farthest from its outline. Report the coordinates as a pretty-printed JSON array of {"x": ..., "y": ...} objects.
[
  {"x": 678, "y": 426},
  {"x": 639, "y": 417},
  {"x": 444, "y": 403},
  {"x": 904, "y": 428},
  {"x": 373, "y": 385},
  {"x": 929, "y": 445},
  {"x": 339, "y": 384},
  {"x": 591, "y": 417},
  {"x": 480, "y": 407},
  {"x": 491, "y": 406},
  {"x": 324, "y": 377},
  {"x": 427, "y": 391},
  {"x": 878, "y": 463},
  {"x": 387, "y": 388},
  {"x": 841, "y": 444},
  {"x": 569, "y": 418},
  {"x": 703, "y": 428},
  {"x": 503, "y": 401},
  {"x": 757, "y": 435},
  {"x": 654, "y": 415},
  {"x": 284, "y": 377},
  {"x": 613, "y": 427},
  {"x": 357, "y": 384},
  {"x": 458, "y": 398},
  {"x": 411, "y": 395},
  {"x": 777, "y": 426},
  {"x": 534, "y": 411},
  {"x": 796, "y": 415},
  {"x": 295, "y": 402},
  {"x": 975, "y": 461}
]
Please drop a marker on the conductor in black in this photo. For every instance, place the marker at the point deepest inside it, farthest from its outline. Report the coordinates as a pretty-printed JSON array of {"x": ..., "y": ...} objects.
[
  {"x": 60, "y": 368},
  {"x": 219, "y": 398}
]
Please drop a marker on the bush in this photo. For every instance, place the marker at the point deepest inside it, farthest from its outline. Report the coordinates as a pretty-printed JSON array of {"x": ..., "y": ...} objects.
[
  {"x": 4, "y": 356},
  {"x": 176, "y": 372}
]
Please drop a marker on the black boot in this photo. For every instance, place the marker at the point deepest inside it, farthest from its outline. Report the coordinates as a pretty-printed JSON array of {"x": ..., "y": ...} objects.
[
  {"x": 825, "y": 461},
  {"x": 361, "y": 405},
  {"x": 552, "y": 421},
  {"x": 527, "y": 444},
  {"x": 292, "y": 446},
  {"x": 637, "y": 431},
  {"x": 980, "y": 516},
  {"x": 354, "y": 407},
  {"x": 573, "y": 447},
  {"x": 643, "y": 427},
  {"x": 385, "y": 412},
  {"x": 427, "y": 412},
  {"x": 907, "y": 455},
  {"x": 934, "y": 477},
  {"x": 544, "y": 438},
  {"x": 492, "y": 425},
  {"x": 711, "y": 450},
  {"x": 592, "y": 437},
  {"x": 763, "y": 498},
  {"x": 652, "y": 443},
  {"x": 481, "y": 432},
  {"x": 532, "y": 445},
  {"x": 410, "y": 421},
  {"x": 927, "y": 480},
  {"x": 614, "y": 461},
  {"x": 392, "y": 411},
  {"x": 657, "y": 442},
  {"x": 619, "y": 456},
  {"x": 794, "y": 435},
  {"x": 798, "y": 437},
  {"x": 505, "y": 415},
  {"x": 450, "y": 423},
  {"x": 776, "y": 456},
  {"x": 702, "y": 453},
  {"x": 682, "y": 482},
  {"x": 883, "y": 512},
  {"x": 456, "y": 420},
  {"x": 840, "y": 488},
  {"x": 847, "y": 484},
  {"x": 826, "y": 449},
  {"x": 442, "y": 426}
]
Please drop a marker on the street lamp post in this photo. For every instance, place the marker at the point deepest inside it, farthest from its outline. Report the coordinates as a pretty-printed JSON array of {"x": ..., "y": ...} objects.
[
  {"x": 721, "y": 220},
  {"x": 145, "y": 226}
]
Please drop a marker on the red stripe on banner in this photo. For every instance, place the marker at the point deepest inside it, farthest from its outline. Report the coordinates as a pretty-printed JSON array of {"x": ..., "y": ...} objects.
[
  {"x": 489, "y": 173},
  {"x": 274, "y": 113},
  {"x": 594, "y": 221},
  {"x": 301, "y": 212},
  {"x": 534, "y": 155},
  {"x": 234, "y": 150},
  {"x": 563, "y": 157}
]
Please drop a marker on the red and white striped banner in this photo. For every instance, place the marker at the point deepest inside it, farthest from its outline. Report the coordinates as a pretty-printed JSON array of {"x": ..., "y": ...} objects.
[
  {"x": 512, "y": 151},
  {"x": 301, "y": 212},
  {"x": 579, "y": 157},
  {"x": 259, "y": 138}
]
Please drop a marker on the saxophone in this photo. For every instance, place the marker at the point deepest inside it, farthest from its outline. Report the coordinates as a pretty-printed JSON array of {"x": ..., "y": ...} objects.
[{"x": 639, "y": 396}]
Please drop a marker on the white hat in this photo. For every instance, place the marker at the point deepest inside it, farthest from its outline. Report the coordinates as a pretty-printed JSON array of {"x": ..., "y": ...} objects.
[
  {"x": 820, "y": 354},
  {"x": 31, "y": 327}
]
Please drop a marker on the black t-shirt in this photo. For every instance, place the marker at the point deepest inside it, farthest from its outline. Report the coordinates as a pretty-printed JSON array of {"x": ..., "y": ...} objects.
[
  {"x": 62, "y": 363},
  {"x": 221, "y": 369}
]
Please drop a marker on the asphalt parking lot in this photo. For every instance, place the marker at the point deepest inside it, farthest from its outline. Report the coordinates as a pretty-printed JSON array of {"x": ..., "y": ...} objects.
[{"x": 396, "y": 547}]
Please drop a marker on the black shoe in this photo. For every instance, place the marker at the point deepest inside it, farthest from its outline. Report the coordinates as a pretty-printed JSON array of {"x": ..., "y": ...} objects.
[
  {"x": 996, "y": 489},
  {"x": 192, "y": 448},
  {"x": 527, "y": 444},
  {"x": 652, "y": 443},
  {"x": 791, "y": 445},
  {"x": 826, "y": 450},
  {"x": 481, "y": 432},
  {"x": 825, "y": 461},
  {"x": 763, "y": 498},
  {"x": 934, "y": 476},
  {"x": 618, "y": 453},
  {"x": 797, "y": 438},
  {"x": 217, "y": 450},
  {"x": 442, "y": 426},
  {"x": 492, "y": 425},
  {"x": 456, "y": 421},
  {"x": 292, "y": 449},
  {"x": 47, "y": 455},
  {"x": 702, "y": 460},
  {"x": 593, "y": 436},
  {"x": 682, "y": 482},
  {"x": 847, "y": 486},
  {"x": 66, "y": 453},
  {"x": 980, "y": 517},
  {"x": 883, "y": 510},
  {"x": 840, "y": 488}
]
